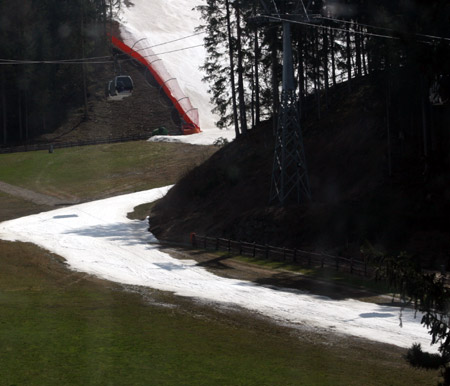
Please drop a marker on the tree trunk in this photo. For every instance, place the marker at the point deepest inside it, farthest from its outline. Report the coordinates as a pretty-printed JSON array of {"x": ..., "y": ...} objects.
[
  {"x": 252, "y": 104},
  {"x": 44, "y": 123},
  {"x": 83, "y": 66},
  {"x": 301, "y": 68},
  {"x": 317, "y": 72},
  {"x": 349, "y": 57},
  {"x": 358, "y": 52},
  {"x": 104, "y": 17},
  {"x": 19, "y": 103},
  {"x": 364, "y": 54},
  {"x": 233, "y": 85},
  {"x": 333, "y": 58},
  {"x": 325, "y": 63},
  {"x": 26, "y": 116},
  {"x": 301, "y": 75},
  {"x": 275, "y": 78},
  {"x": 388, "y": 127},
  {"x": 4, "y": 112},
  {"x": 241, "y": 91},
  {"x": 257, "y": 89}
]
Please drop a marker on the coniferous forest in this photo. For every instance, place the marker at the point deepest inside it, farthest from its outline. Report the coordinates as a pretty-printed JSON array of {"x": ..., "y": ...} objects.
[
  {"x": 400, "y": 48},
  {"x": 35, "y": 93}
]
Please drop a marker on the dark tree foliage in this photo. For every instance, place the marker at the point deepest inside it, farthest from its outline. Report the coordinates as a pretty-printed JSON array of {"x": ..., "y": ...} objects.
[
  {"x": 36, "y": 97},
  {"x": 430, "y": 295},
  {"x": 401, "y": 48}
]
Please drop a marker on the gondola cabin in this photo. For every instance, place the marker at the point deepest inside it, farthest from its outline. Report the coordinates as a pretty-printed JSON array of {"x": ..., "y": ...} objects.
[{"x": 120, "y": 87}]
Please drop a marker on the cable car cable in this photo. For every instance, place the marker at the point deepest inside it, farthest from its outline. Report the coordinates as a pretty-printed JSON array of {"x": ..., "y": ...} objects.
[
  {"x": 79, "y": 61},
  {"x": 382, "y": 28},
  {"x": 88, "y": 60}
]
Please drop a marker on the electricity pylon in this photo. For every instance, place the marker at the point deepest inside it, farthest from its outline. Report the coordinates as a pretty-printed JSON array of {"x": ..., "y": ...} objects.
[{"x": 290, "y": 181}]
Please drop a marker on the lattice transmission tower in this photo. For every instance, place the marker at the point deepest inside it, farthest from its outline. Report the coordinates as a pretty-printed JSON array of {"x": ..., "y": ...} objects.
[{"x": 290, "y": 180}]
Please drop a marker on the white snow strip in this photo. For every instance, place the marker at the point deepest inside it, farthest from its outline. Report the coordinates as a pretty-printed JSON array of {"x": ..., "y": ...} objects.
[
  {"x": 161, "y": 21},
  {"x": 207, "y": 137},
  {"x": 97, "y": 238}
]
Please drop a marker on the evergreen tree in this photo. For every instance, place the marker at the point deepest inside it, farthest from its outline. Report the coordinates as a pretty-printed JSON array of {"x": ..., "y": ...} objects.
[
  {"x": 429, "y": 295},
  {"x": 38, "y": 95}
]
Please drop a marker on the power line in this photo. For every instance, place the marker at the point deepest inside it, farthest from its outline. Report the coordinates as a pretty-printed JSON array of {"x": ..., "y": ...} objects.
[
  {"x": 87, "y": 60},
  {"x": 97, "y": 59},
  {"x": 383, "y": 28},
  {"x": 364, "y": 33},
  {"x": 277, "y": 18},
  {"x": 172, "y": 41}
]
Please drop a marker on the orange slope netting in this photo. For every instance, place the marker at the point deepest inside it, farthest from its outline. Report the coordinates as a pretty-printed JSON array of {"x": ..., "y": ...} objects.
[{"x": 189, "y": 114}]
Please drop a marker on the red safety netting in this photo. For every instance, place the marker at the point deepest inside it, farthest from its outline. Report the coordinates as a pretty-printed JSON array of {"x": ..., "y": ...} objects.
[{"x": 189, "y": 114}]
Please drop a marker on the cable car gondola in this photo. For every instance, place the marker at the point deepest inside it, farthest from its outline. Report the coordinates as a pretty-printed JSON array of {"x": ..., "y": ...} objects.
[{"x": 120, "y": 87}]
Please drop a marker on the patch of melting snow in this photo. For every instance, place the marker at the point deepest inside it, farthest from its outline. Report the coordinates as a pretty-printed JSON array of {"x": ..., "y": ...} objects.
[{"x": 98, "y": 238}]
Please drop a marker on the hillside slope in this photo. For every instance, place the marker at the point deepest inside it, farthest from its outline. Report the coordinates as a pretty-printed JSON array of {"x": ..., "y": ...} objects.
[
  {"x": 138, "y": 114},
  {"x": 354, "y": 199}
]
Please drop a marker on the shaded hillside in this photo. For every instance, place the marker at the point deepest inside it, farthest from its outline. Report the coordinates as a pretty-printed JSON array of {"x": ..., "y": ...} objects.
[
  {"x": 354, "y": 199},
  {"x": 145, "y": 110}
]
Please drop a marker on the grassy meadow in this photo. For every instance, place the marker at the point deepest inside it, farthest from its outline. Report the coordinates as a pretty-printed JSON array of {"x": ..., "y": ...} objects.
[
  {"x": 104, "y": 170},
  {"x": 59, "y": 327}
]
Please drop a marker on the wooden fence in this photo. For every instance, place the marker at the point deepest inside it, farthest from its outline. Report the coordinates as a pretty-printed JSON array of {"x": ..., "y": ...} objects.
[
  {"x": 310, "y": 259},
  {"x": 60, "y": 145}
]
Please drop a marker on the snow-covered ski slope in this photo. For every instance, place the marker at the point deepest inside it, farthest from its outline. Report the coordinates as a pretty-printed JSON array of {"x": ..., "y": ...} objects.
[
  {"x": 97, "y": 238},
  {"x": 161, "y": 21}
]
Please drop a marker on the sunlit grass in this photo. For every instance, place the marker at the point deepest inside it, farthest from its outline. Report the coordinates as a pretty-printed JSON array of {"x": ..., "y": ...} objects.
[
  {"x": 59, "y": 327},
  {"x": 91, "y": 171}
]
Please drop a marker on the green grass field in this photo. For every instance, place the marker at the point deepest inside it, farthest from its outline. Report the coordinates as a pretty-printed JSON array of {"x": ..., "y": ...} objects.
[
  {"x": 95, "y": 171},
  {"x": 59, "y": 327},
  {"x": 65, "y": 328}
]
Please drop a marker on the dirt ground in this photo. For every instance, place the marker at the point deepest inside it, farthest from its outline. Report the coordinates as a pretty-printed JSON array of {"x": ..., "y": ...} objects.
[{"x": 34, "y": 197}]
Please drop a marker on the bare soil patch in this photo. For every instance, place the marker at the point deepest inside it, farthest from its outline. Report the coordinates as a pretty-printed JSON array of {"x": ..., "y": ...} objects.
[{"x": 34, "y": 197}]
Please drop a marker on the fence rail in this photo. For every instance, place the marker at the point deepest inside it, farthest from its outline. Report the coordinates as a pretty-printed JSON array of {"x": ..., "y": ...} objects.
[
  {"x": 310, "y": 259},
  {"x": 60, "y": 145}
]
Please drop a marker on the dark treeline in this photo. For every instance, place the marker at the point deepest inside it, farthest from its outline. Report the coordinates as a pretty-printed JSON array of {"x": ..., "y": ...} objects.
[
  {"x": 35, "y": 97},
  {"x": 395, "y": 44},
  {"x": 400, "y": 50}
]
